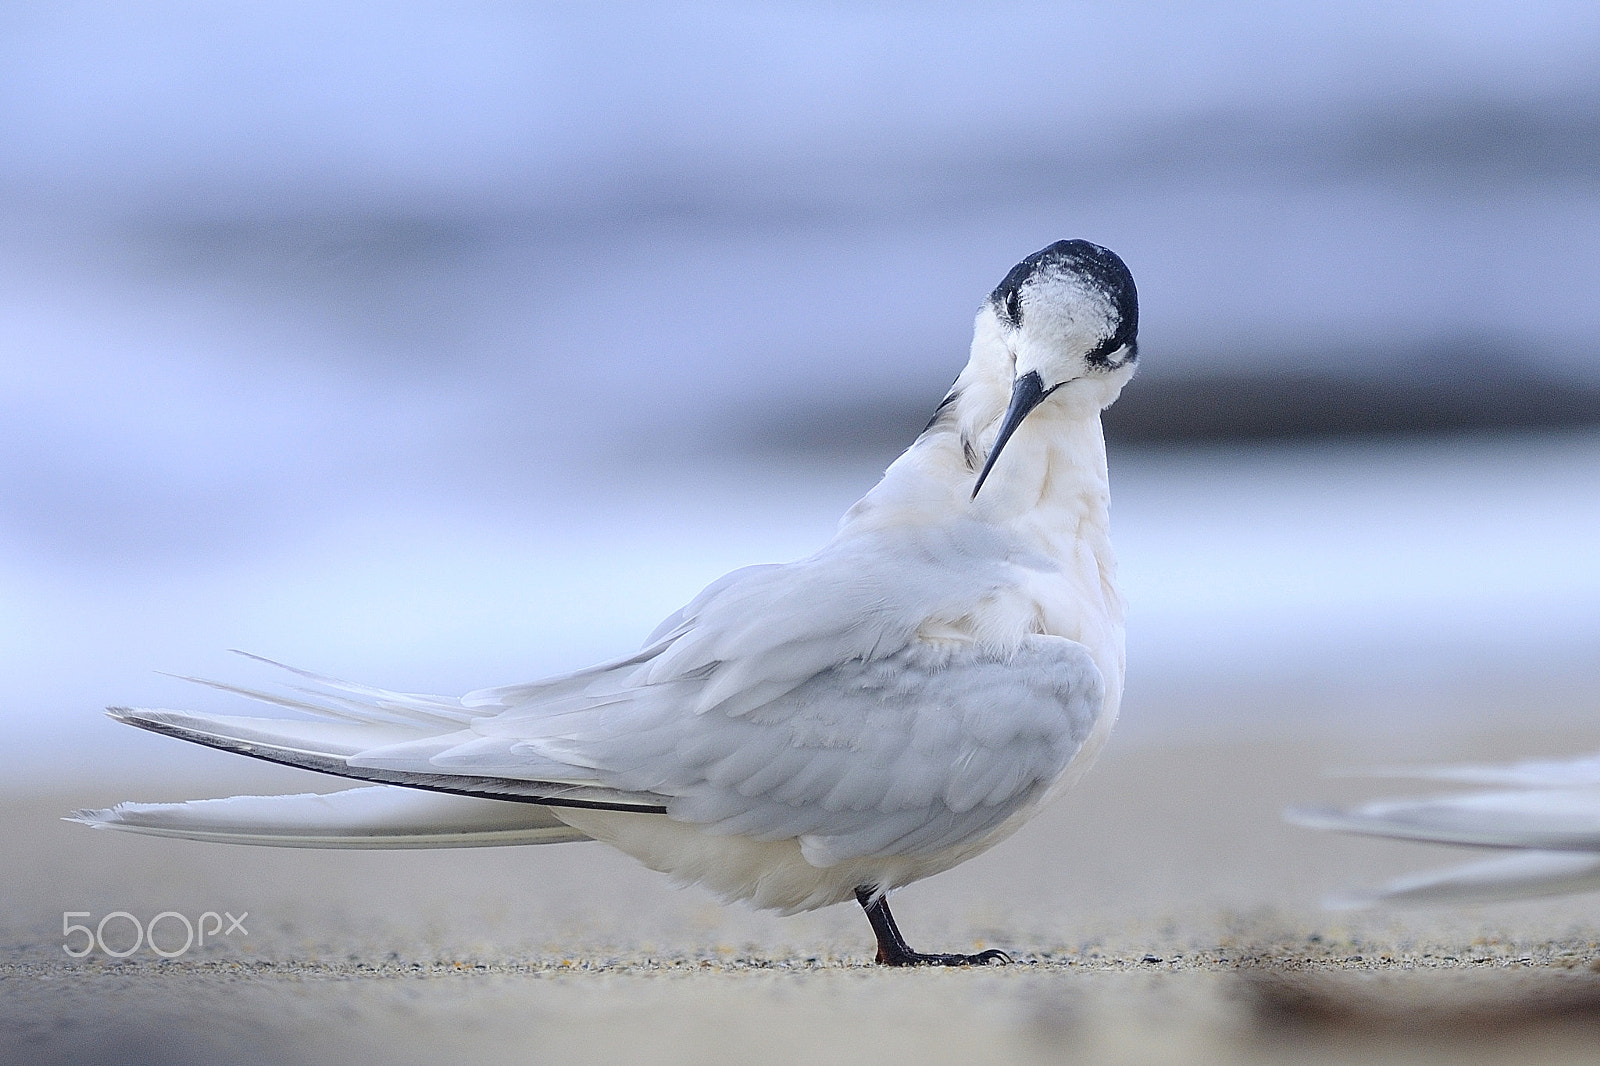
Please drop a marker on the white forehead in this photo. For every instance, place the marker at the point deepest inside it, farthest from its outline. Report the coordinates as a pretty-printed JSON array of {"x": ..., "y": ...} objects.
[{"x": 1065, "y": 308}]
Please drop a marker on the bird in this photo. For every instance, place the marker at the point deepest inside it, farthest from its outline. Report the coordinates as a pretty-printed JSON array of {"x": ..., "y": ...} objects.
[
  {"x": 1542, "y": 815},
  {"x": 800, "y": 734}
]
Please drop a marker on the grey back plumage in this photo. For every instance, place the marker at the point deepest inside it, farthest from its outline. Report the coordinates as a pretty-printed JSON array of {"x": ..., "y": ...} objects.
[{"x": 796, "y": 701}]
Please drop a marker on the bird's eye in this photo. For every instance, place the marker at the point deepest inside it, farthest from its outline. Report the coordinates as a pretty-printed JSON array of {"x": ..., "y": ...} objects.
[
  {"x": 1101, "y": 357},
  {"x": 1014, "y": 307}
]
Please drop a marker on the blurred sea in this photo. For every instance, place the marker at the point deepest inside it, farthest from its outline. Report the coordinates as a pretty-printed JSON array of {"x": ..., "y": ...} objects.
[{"x": 445, "y": 346}]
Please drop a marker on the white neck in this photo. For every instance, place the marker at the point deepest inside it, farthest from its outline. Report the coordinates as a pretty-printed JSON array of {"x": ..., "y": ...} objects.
[
  {"x": 1049, "y": 486},
  {"x": 1049, "y": 492}
]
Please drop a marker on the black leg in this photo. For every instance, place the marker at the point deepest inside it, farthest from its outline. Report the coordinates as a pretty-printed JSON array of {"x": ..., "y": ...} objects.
[{"x": 892, "y": 947}]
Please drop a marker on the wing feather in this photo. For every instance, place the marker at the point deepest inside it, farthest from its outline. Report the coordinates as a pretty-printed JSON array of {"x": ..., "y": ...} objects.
[
  {"x": 784, "y": 701},
  {"x": 864, "y": 757},
  {"x": 1531, "y": 773},
  {"x": 1547, "y": 819},
  {"x": 1519, "y": 875}
]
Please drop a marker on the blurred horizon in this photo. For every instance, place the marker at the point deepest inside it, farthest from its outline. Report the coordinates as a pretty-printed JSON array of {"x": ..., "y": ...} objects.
[{"x": 435, "y": 341}]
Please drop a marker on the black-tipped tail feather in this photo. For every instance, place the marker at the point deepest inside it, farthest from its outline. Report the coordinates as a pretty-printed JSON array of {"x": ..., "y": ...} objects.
[{"x": 317, "y": 746}]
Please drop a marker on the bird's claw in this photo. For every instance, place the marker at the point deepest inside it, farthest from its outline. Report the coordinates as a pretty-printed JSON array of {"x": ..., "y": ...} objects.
[{"x": 992, "y": 957}]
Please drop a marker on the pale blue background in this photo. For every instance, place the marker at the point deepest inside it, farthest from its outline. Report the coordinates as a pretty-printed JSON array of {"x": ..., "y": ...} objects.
[{"x": 447, "y": 345}]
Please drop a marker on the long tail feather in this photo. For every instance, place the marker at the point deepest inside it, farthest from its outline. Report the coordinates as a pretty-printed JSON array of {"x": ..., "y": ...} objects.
[
  {"x": 316, "y": 746},
  {"x": 435, "y": 710},
  {"x": 373, "y": 817},
  {"x": 1522, "y": 875}
]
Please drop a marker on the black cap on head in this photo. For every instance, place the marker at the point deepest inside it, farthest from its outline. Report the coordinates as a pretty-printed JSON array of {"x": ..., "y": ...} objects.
[{"x": 1098, "y": 269}]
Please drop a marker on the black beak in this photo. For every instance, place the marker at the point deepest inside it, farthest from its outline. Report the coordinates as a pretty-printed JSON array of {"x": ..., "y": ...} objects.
[{"x": 1026, "y": 394}]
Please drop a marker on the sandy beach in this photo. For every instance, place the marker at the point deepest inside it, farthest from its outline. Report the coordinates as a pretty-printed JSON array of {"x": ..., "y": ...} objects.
[{"x": 1161, "y": 913}]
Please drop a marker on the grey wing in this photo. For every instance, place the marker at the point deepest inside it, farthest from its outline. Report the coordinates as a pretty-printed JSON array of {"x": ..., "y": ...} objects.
[
  {"x": 785, "y": 701},
  {"x": 908, "y": 754},
  {"x": 1557, "y": 819},
  {"x": 1533, "y": 773}
]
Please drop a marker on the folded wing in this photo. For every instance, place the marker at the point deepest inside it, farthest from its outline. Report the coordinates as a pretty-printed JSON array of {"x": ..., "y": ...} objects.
[
  {"x": 789, "y": 701},
  {"x": 914, "y": 752},
  {"x": 1552, "y": 819}
]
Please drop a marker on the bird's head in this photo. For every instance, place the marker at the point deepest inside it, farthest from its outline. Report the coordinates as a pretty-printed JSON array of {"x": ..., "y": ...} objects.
[{"x": 1066, "y": 320}]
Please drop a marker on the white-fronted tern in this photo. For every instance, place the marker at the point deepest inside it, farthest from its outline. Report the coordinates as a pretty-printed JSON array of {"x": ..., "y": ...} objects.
[
  {"x": 1544, "y": 817},
  {"x": 800, "y": 734}
]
